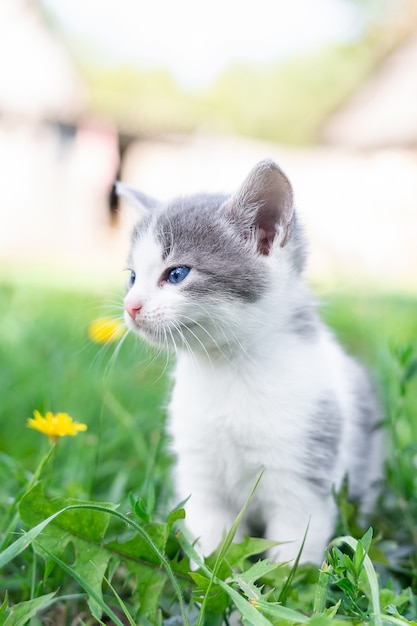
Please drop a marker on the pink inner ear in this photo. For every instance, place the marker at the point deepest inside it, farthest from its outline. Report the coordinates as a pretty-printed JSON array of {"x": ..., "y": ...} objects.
[
  {"x": 267, "y": 221},
  {"x": 265, "y": 240},
  {"x": 272, "y": 191}
]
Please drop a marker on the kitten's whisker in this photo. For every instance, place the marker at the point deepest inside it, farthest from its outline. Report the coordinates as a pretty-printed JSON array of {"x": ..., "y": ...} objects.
[
  {"x": 152, "y": 353},
  {"x": 173, "y": 342},
  {"x": 230, "y": 336},
  {"x": 115, "y": 354},
  {"x": 197, "y": 338},
  {"x": 166, "y": 350},
  {"x": 210, "y": 336},
  {"x": 187, "y": 345},
  {"x": 169, "y": 346}
]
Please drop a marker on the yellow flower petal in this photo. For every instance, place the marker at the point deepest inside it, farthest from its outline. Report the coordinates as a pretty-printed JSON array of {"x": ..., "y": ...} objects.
[
  {"x": 55, "y": 425},
  {"x": 106, "y": 329}
]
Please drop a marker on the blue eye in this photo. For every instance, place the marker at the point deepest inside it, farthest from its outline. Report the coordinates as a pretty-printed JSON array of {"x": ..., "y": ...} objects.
[
  {"x": 132, "y": 279},
  {"x": 178, "y": 274}
]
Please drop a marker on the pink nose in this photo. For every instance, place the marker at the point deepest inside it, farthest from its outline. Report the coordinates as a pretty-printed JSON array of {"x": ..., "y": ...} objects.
[{"x": 133, "y": 308}]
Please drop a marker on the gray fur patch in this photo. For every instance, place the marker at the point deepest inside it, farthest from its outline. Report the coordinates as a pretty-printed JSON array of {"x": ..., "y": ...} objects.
[
  {"x": 322, "y": 445},
  {"x": 368, "y": 411},
  {"x": 194, "y": 232},
  {"x": 367, "y": 414},
  {"x": 304, "y": 322},
  {"x": 256, "y": 525}
]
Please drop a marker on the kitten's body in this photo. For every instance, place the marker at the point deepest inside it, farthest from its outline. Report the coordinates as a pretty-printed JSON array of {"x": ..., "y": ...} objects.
[{"x": 259, "y": 381}]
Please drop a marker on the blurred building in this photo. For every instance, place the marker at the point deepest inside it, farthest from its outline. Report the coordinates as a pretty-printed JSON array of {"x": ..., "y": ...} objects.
[
  {"x": 38, "y": 79},
  {"x": 57, "y": 162},
  {"x": 383, "y": 113}
]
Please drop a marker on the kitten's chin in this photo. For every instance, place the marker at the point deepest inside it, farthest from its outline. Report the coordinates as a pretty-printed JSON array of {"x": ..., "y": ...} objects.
[
  {"x": 154, "y": 337},
  {"x": 192, "y": 336},
  {"x": 136, "y": 328},
  {"x": 143, "y": 332},
  {"x": 171, "y": 338}
]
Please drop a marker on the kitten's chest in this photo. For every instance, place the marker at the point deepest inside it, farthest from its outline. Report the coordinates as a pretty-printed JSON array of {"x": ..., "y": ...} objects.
[{"x": 250, "y": 411}]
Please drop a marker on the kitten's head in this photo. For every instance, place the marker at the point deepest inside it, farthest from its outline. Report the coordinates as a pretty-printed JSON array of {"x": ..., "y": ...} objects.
[{"x": 200, "y": 264}]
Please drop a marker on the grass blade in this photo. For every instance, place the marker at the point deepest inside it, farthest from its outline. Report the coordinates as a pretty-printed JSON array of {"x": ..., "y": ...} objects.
[
  {"x": 286, "y": 587},
  {"x": 371, "y": 575},
  {"x": 322, "y": 588},
  {"x": 21, "y": 613},
  {"x": 85, "y": 585},
  {"x": 225, "y": 545}
]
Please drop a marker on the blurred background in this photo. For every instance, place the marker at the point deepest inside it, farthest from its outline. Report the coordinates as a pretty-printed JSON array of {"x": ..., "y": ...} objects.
[{"x": 179, "y": 97}]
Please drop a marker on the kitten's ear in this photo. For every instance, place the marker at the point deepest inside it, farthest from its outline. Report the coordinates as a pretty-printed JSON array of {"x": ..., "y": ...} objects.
[
  {"x": 264, "y": 205},
  {"x": 138, "y": 200}
]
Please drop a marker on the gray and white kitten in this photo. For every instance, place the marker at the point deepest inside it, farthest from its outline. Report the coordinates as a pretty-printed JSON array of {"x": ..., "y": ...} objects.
[{"x": 259, "y": 381}]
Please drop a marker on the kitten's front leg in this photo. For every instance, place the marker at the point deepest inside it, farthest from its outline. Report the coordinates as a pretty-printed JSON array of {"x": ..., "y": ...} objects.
[
  {"x": 289, "y": 523},
  {"x": 208, "y": 519},
  {"x": 208, "y": 516}
]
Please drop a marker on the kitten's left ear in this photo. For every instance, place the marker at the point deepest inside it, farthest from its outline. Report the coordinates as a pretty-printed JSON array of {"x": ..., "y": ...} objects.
[
  {"x": 265, "y": 203},
  {"x": 138, "y": 200}
]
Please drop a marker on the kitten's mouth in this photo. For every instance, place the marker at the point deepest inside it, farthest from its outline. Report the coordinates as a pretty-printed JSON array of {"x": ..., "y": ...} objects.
[
  {"x": 159, "y": 325},
  {"x": 166, "y": 335}
]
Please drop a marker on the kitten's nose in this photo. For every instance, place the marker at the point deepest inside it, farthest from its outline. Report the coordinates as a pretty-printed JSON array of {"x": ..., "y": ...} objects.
[{"x": 133, "y": 308}]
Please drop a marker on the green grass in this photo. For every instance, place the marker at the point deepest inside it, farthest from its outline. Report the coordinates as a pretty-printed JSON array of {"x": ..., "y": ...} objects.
[
  {"x": 49, "y": 363},
  {"x": 81, "y": 556}
]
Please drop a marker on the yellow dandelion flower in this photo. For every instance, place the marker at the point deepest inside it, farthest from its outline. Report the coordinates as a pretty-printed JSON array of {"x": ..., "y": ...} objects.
[
  {"x": 105, "y": 330},
  {"x": 55, "y": 425}
]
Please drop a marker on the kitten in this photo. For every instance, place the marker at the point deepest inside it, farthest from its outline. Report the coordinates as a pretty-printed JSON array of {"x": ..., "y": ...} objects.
[{"x": 260, "y": 382}]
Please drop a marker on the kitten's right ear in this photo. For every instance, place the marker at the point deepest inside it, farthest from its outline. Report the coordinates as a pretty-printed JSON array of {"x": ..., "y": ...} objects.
[
  {"x": 138, "y": 200},
  {"x": 264, "y": 206}
]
